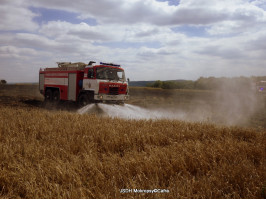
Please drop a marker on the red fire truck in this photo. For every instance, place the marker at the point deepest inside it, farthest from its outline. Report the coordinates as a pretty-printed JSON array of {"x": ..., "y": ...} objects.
[{"x": 84, "y": 83}]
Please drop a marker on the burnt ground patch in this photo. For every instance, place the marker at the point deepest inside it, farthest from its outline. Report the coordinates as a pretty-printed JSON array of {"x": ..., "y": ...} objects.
[
  {"x": 33, "y": 102},
  {"x": 30, "y": 102},
  {"x": 61, "y": 105}
]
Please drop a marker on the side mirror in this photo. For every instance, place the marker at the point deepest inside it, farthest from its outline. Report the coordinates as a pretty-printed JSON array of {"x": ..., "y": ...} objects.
[{"x": 128, "y": 80}]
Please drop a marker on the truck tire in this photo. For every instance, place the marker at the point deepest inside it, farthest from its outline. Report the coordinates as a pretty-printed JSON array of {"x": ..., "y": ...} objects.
[
  {"x": 48, "y": 95},
  {"x": 56, "y": 96},
  {"x": 83, "y": 100}
]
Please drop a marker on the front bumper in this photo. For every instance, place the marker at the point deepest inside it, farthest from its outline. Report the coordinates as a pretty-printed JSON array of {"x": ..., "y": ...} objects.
[{"x": 105, "y": 97}]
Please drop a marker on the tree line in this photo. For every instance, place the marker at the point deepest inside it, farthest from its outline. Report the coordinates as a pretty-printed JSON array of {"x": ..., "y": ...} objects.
[
  {"x": 210, "y": 83},
  {"x": 3, "y": 82}
]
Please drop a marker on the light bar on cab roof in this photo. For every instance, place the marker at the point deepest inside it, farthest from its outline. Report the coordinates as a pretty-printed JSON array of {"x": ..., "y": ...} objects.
[{"x": 109, "y": 64}]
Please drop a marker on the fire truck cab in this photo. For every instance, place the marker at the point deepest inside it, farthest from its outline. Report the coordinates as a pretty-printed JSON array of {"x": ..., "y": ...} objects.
[{"x": 84, "y": 83}]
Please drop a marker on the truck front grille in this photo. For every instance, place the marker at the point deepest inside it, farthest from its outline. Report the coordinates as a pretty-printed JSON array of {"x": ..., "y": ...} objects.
[{"x": 113, "y": 90}]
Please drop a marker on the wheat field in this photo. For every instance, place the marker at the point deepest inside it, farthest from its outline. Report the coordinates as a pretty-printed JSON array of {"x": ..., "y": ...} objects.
[{"x": 59, "y": 154}]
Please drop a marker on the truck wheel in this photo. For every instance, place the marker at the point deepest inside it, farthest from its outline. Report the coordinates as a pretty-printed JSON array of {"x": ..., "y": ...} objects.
[
  {"x": 48, "y": 95},
  {"x": 83, "y": 100},
  {"x": 56, "y": 96}
]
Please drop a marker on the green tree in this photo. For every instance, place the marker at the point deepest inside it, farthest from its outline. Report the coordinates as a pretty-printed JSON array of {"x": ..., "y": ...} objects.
[
  {"x": 157, "y": 84},
  {"x": 3, "y": 82}
]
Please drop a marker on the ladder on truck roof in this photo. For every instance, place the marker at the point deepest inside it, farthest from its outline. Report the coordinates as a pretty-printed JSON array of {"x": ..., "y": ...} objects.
[
  {"x": 67, "y": 66},
  {"x": 71, "y": 66}
]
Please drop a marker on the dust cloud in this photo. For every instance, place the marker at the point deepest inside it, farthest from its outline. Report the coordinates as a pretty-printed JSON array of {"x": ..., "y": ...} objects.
[
  {"x": 237, "y": 104},
  {"x": 232, "y": 104}
]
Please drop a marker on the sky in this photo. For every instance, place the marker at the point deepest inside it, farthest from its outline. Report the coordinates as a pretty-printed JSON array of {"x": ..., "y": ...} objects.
[{"x": 150, "y": 39}]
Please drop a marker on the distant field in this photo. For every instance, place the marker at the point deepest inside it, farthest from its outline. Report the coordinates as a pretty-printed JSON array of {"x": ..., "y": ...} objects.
[
  {"x": 58, "y": 153},
  {"x": 243, "y": 109}
]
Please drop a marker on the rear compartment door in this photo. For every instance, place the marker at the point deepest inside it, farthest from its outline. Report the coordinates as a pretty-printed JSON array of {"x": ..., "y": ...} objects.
[
  {"x": 72, "y": 80},
  {"x": 41, "y": 82}
]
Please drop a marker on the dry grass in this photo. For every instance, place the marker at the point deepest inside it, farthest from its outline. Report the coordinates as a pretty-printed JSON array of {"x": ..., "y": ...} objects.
[{"x": 47, "y": 154}]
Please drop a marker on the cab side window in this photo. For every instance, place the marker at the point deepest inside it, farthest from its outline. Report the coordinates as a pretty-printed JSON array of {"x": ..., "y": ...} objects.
[{"x": 90, "y": 73}]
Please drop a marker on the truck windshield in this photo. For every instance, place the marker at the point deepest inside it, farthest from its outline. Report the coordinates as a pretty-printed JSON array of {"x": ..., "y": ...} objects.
[{"x": 109, "y": 73}]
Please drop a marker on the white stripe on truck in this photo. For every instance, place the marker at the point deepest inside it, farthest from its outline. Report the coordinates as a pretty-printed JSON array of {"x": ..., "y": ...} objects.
[{"x": 56, "y": 81}]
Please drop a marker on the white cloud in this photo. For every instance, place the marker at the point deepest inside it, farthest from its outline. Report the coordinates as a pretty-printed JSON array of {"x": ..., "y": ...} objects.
[
  {"x": 158, "y": 13},
  {"x": 259, "y": 3},
  {"x": 136, "y": 33},
  {"x": 233, "y": 45},
  {"x": 82, "y": 30},
  {"x": 114, "y": 11},
  {"x": 15, "y": 52},
  {"x": 14, "y": 15}
]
